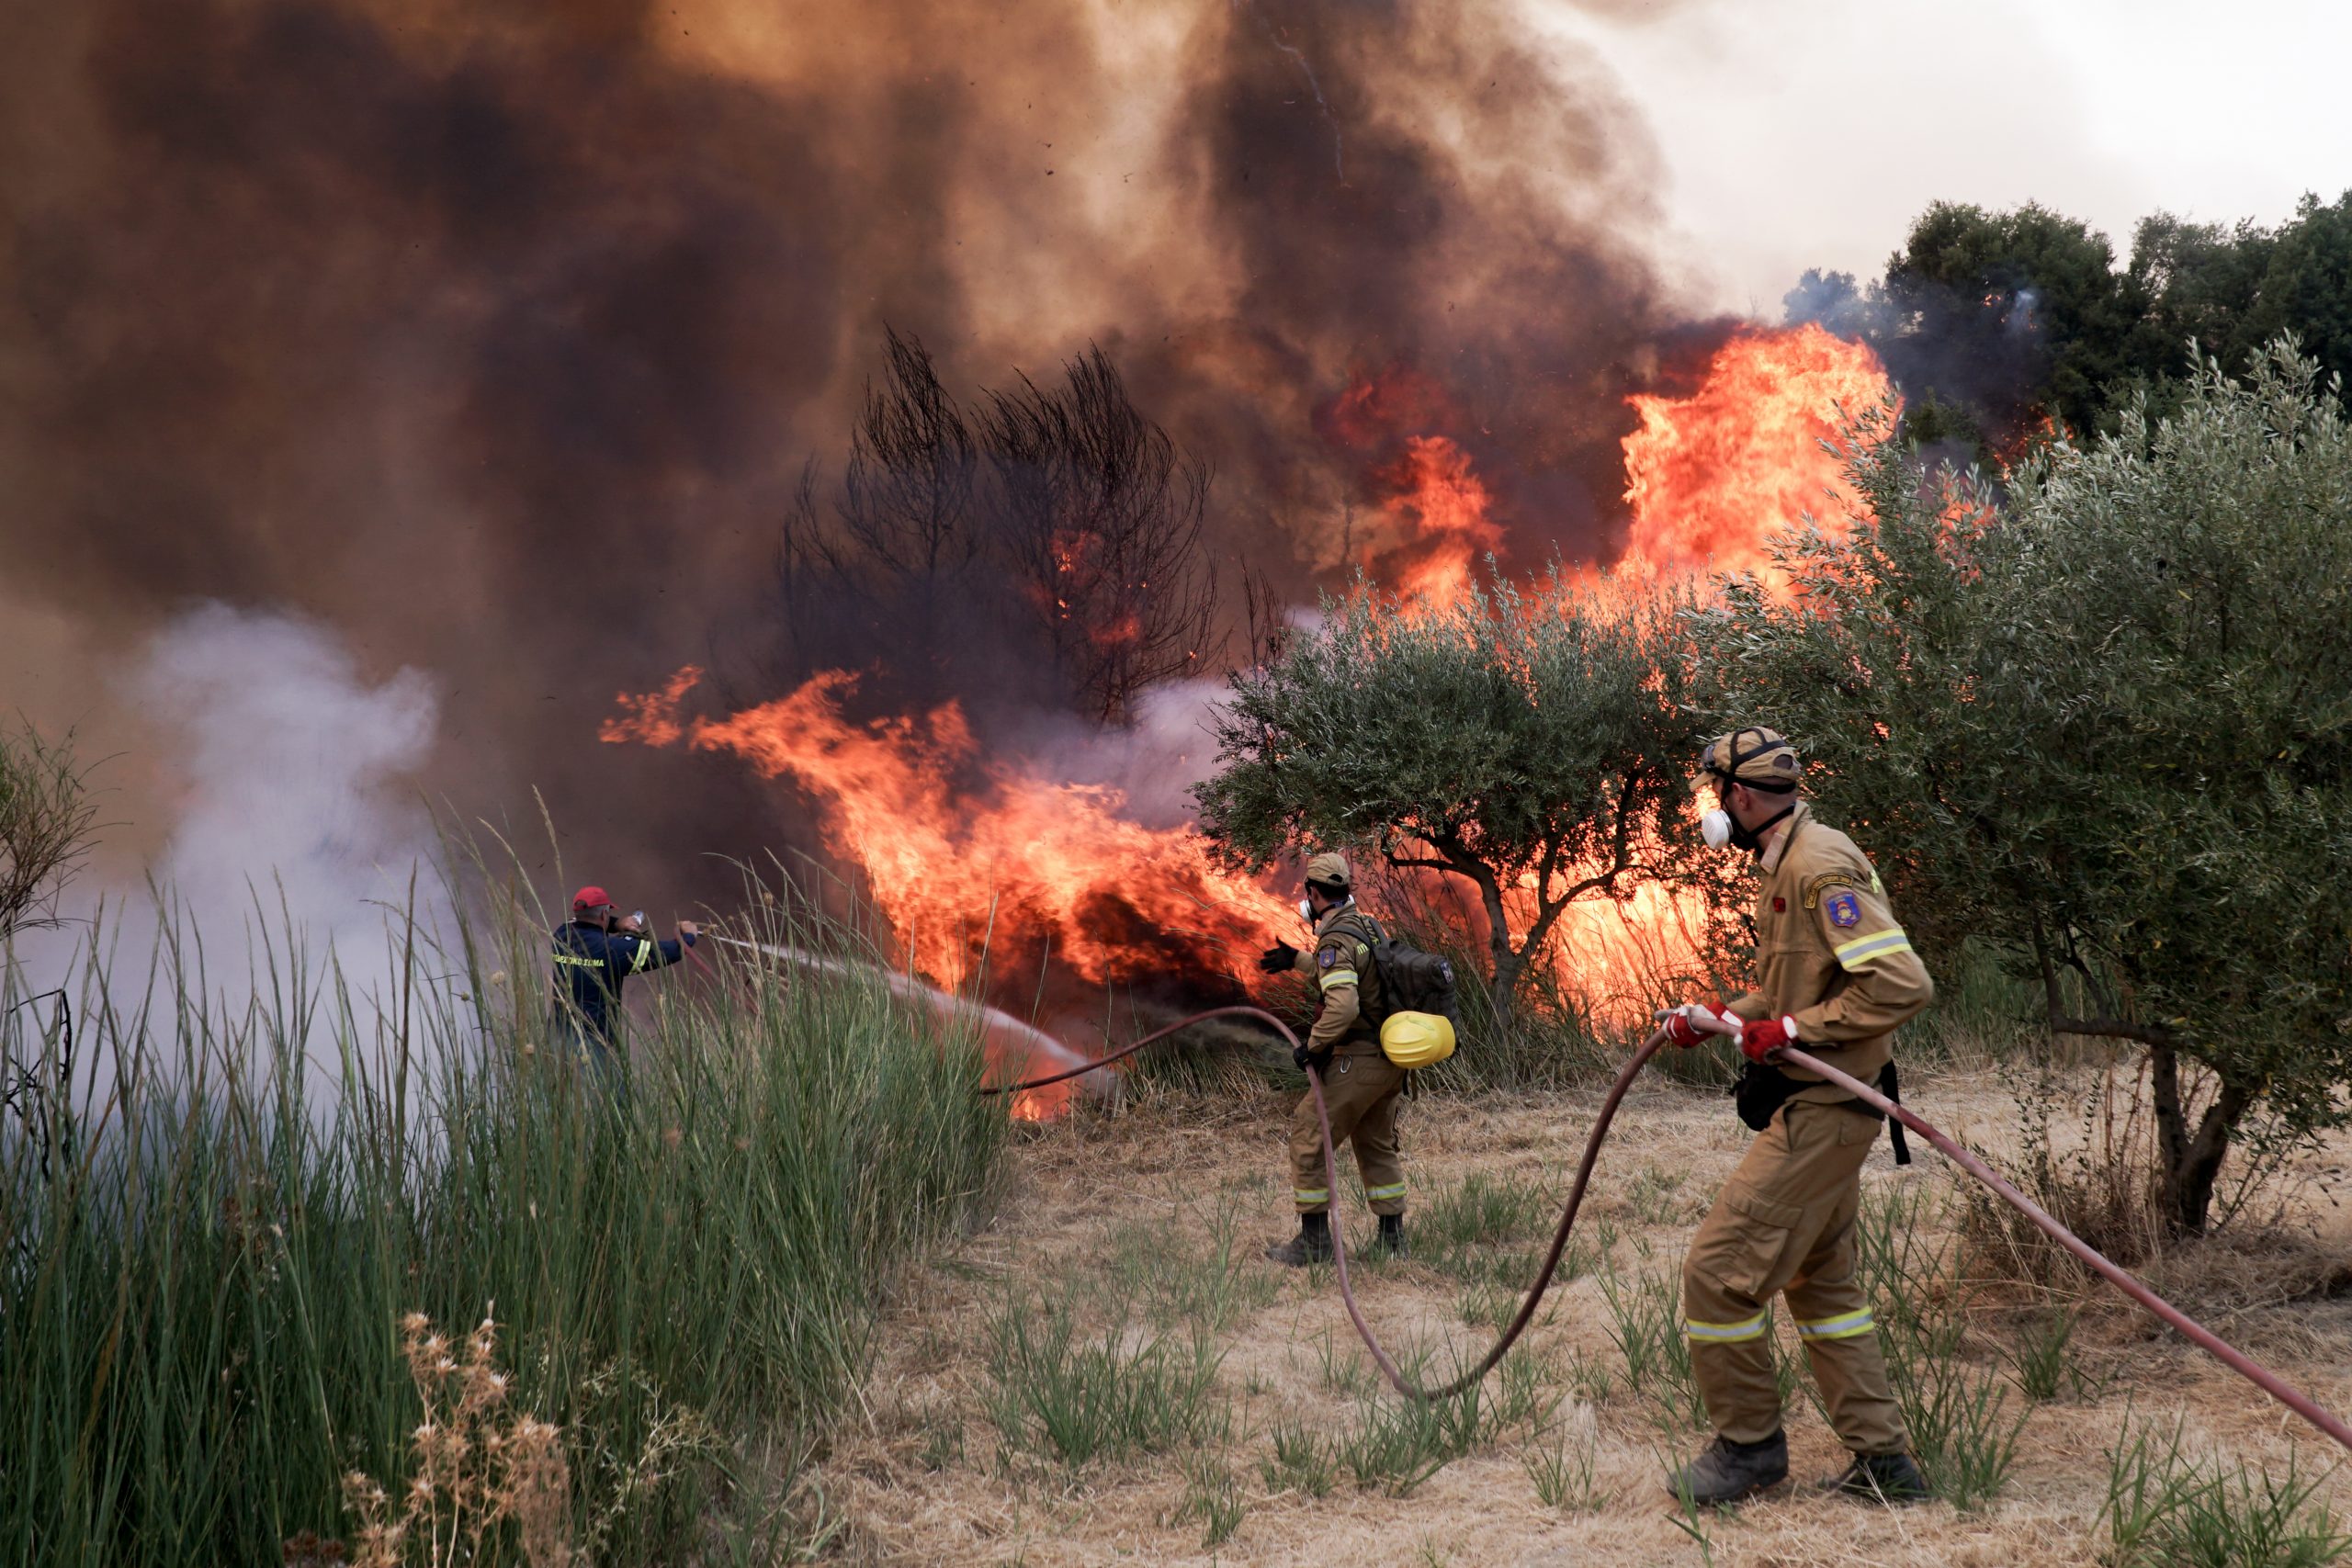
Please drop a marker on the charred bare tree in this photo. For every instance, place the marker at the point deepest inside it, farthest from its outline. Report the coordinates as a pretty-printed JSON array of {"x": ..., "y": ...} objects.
[
  {"x": 1100, "y": 513},
  {"x": 904, "y": 531},
  {"x": 1062, "y": 515},
  {"x": 907, "y": 494}
]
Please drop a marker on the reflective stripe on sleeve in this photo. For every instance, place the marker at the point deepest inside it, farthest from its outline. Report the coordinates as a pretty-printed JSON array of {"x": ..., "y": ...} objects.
[
  {"x": 1336, "y": 978},
  {"x": 1867, "y": 949},
  {"x": 1849, "y": 1327},
  {"x": 648, "y": 951},
  {"x": 1395, "y": 1190},
  {"x": 1725, "y": 1333}
]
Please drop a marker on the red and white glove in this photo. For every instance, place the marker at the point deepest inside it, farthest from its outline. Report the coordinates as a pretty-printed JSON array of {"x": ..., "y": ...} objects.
[
  {"x": 1760, "y": 1038},
  {"x": 1689, "y": 1025}
]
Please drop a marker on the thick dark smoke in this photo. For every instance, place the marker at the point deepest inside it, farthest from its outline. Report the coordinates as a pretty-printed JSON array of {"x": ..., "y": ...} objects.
[{"x": 494, "y": 338}]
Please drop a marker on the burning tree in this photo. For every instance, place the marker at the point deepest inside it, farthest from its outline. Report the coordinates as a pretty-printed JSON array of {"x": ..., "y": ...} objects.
[
  {"x": 1530, "y": 741},
  {"x": 2108, "y": 731},
  {"x": 1061, "y": 517}
]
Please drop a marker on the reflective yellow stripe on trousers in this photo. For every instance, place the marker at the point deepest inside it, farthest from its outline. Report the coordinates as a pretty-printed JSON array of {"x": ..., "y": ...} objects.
[
  {"x": 1847, "y": 1327},
  {"x": 1725, "y": 1333}
]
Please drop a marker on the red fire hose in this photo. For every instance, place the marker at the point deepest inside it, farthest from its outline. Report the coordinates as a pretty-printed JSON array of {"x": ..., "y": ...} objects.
[
  {"x": 1388, "y": 1368},
  {"x": 2197, "y": 1333},
  {"x": 2204, "y": 1338}
]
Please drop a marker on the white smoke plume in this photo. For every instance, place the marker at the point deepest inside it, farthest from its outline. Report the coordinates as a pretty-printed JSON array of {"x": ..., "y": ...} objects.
[
  {"x": 294, "y": 775},
  {"x": 290, "y": 831}
]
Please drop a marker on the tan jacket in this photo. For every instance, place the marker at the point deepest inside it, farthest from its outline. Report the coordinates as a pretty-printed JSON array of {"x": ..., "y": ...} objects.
[
  {"x": 1829, "y": 955},
  {"x": 1346, "y": 979}
]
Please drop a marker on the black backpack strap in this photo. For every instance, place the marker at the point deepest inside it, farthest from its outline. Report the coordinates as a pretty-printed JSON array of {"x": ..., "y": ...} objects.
[
  {"x": 1890, "y": 1086},
  {"x": 1361, "y": 927}
]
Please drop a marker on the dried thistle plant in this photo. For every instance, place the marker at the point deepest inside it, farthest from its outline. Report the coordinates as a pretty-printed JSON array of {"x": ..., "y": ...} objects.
[{"x": 474, "y": 1467}]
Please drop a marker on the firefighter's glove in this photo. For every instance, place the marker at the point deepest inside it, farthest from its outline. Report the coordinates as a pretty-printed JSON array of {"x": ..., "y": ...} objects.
[
  {"x": 1689, "y": 1025},
  {"x": 1759, "y": 1040},
  {"x": 1279, "y": 959},
  {"x": 1301, "y": 1057}
]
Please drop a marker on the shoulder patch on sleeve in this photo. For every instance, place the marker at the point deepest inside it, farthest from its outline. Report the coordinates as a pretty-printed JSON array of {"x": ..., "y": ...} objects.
[
  {"x": 1845, "y": 910},
  {"x": 1326, "y": 957},
  {"x": 1821, "y": 882}
]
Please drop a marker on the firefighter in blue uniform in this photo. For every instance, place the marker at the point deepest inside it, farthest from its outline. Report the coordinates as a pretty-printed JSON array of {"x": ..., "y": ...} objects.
[{"x": 594, "y": 952}]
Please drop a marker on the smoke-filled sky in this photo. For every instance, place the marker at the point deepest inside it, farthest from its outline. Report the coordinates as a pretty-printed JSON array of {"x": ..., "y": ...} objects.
[
  {"x": 1799, "y": 133},
  {"x": 486, "y": 344}
]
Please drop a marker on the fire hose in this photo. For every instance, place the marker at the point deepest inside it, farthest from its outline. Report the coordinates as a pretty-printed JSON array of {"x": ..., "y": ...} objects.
[{"x": 2195, "y": 1333}]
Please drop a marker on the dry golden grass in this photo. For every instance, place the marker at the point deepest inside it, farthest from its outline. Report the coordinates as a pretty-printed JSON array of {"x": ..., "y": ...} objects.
[{"x": 921, "y": 1477}]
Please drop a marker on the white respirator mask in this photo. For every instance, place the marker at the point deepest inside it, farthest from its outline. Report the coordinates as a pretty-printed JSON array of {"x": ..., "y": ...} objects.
[
  {"x": 1715, "y": 827},
  {"x": 1307, "y": 911}
]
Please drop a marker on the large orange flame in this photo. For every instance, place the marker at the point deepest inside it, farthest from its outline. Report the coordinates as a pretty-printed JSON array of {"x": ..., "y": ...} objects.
[
  {"x": 1445, "y": 507},
  {"x": 946, "y": 862},
  {"x": 1711, "y": 476}
]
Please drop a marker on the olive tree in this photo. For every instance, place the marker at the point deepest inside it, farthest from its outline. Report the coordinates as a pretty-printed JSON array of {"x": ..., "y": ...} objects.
[
  {"x": 1530, "y": 742},
  {"x": 2108, "y": 728}
]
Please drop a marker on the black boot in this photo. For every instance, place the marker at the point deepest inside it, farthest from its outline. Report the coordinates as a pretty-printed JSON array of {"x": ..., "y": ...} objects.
[
  {"x": 1882, "y": 1478},
  {"x": 1311, "y": 1245},
  {"x": 1391, "y": 1242},
  {"x": 1726, "y": 1472}
]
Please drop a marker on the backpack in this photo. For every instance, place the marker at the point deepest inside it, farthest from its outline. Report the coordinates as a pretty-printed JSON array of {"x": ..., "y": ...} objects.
[
  {"x": 1410, "y": 979},
  {"x": 1414, "y": 981}
]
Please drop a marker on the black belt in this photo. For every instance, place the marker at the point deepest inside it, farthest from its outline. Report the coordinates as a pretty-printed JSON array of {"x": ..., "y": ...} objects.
[{"x": 1763, "y": 1088}]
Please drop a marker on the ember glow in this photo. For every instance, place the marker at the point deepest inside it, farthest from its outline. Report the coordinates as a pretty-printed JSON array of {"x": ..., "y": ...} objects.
[{"x": 1711, "y": 476}]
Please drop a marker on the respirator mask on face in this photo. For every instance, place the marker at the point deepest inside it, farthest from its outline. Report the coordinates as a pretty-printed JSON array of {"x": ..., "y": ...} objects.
[
  {"x": 1306, "y": 910},
  {"x": 1720, "y": 828}
]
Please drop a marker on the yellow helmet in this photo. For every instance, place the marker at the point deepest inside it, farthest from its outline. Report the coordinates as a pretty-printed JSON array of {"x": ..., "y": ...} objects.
[{"x": 1416, "y": 1039}]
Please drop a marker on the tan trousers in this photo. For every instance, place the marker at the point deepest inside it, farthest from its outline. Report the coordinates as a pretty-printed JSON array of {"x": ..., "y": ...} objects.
[
  {"x": 1361, "y": 1092},
  {"x": 1784, "y": 1226}
]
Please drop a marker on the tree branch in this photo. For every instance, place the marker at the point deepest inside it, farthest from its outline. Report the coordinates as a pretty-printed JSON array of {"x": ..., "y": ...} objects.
[{"x": 2115, "y": 1029}]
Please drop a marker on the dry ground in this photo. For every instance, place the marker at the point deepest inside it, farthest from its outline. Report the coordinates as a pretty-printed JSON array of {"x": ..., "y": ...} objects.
[{"x": 1134, "y": 1206}]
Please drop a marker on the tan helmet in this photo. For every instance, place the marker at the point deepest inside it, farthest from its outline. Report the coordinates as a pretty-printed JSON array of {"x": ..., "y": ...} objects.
[
  {"x": 1330, "y": 869},
  {"x": 1757, "y": 757}
]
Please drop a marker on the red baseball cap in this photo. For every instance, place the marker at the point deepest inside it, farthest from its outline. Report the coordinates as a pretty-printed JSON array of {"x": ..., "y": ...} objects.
[{"x": 590, "y": 898}]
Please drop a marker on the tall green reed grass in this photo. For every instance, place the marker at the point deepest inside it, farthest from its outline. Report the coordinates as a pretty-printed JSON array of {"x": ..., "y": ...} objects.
[{"x": 200, "y": 1306}]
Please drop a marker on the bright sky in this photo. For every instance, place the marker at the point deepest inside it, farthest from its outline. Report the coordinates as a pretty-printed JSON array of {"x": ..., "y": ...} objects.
[{"x": 1809, "y": 132}]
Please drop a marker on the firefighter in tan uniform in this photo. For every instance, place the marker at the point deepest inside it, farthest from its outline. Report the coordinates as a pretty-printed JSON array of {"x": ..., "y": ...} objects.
[
  {"x": 1835, "y": 973},
  {"x": 1361, "y": 1086}
]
